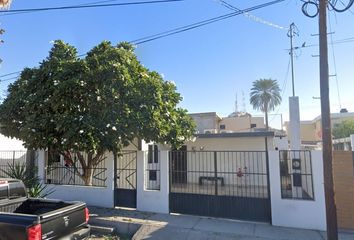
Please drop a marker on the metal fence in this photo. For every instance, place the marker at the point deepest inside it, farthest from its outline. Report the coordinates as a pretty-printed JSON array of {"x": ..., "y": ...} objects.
[
  {"x": 229, "y": 173},
  {"x": 229, "y": 184},
  {"x": 10, "y": 158},
  {"x": 296, "y": 175},
  {"x": 63, "y": 171}
]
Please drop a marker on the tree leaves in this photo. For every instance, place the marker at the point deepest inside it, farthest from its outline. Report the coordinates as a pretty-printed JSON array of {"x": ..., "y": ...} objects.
[
  {"x": 343, "y": 129},
  {"x": 100, "y": 102}
]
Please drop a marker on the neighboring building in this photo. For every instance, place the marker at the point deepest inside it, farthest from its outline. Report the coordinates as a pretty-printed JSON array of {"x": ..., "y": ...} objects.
[
  {"x": 311, "y": 131},
  {"x": 207, "y": 122},
  {"x": 211, "y": 123},
  {"x": 342, "y": 144}
]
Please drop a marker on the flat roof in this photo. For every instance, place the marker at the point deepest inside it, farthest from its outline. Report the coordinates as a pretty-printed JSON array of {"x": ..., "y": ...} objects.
[{"x": 236, "y": 134}]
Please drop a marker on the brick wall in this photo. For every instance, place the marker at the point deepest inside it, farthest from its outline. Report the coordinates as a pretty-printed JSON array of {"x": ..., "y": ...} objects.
[{"x": 343, "y": 174}]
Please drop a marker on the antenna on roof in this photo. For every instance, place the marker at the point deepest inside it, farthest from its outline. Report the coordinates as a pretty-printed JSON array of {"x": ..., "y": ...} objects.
[
  {"x": 236, "y": 104},
  {"x": 243, "y": 102}
]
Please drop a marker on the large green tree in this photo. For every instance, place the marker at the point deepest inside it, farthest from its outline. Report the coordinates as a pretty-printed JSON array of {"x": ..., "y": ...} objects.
[
  {"x": 265, "y": 96},
  {"x": 343, "y": 129},
  {"x": 98, "y": 103}
]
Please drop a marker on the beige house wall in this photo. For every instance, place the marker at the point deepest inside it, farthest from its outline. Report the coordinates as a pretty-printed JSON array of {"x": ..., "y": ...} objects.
[
  {"x": 312, "y": 130},
  {"x": 308, "y": 132},
  {"x": 241, "y": 124}
]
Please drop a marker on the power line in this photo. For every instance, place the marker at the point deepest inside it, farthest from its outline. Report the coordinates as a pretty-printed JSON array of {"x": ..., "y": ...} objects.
[
  {"x": 201, "y": 23},
  {"x": 8, "y": 79},
  {"x": 250, "y": 16},
  {"x": 8, "y": 74},
  {"x": 285, "y": 81},
  {"x": 91, "y": 3},
  {"x": 28, "y": 10},
  {"x": 194, "y": 25},
  {"x": 334, "y": 61}
]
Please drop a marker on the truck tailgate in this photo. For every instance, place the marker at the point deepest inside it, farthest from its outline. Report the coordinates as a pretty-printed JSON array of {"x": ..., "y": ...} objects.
[{"x": 63, "y": 221}]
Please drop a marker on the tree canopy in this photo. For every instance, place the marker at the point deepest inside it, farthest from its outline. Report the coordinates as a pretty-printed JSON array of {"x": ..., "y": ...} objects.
[
  {"x": 265, "y": 96},
  {"x": 343, "y": 129},
  {"x": 93, "y": 104}
]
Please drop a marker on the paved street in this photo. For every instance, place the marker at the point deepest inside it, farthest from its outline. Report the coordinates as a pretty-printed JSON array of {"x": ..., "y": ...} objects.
[{"x": 176, "y": 227}]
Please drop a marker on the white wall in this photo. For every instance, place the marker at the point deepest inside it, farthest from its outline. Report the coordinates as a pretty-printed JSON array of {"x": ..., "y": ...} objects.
[
  {"x": 153, "y": 200},
  {"x": 94, "y": 196},
  {"x": 281, "y": 143},
  {"x": 308, "y": 214}
]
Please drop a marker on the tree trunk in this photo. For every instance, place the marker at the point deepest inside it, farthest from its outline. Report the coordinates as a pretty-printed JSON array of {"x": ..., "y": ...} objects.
[
  {"x": 266, "y": 117},
  {"x": 87, "y": 176}
]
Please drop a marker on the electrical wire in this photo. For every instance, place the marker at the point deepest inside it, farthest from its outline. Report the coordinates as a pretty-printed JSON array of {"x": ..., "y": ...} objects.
[
  {"x": 334, "y": 62},
  {"x": 195, "y": 25},
  {"x": 81, "y": 6},
  {"x": 332, "y": 5},
  {"x": 250, "y": 16},
  {"x": 285, "y": 82},
  {"x": 8, "y": 79},
  {"x": 201, "y": 23},
  {"x": 8, "y": 74}
]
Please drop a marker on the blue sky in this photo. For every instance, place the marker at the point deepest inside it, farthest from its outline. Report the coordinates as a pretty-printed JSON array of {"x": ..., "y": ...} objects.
[{"x": 209, "y": 64}]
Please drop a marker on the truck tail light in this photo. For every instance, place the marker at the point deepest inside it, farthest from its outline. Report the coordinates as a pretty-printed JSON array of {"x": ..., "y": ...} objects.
[
  {"x": 34, "y": 232},
  {"x": 87, "y": 215}
]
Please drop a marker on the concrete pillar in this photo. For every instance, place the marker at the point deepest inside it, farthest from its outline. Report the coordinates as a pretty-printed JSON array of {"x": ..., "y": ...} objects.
[
  {"x": 41, "y": 165},
  {"x": 294, "y": 123},
  {"x": 352, "y": 144},
  {"x": 153, "y": 200}
]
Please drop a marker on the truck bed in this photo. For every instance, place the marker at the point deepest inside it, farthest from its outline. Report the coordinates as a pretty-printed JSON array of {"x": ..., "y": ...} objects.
[
  {"x": 32, "y": 206},
  {"x": 57, "y": 218}
]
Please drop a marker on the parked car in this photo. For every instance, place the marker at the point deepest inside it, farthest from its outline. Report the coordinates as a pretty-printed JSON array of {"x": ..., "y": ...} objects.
[{"x": 23, "y": 218}]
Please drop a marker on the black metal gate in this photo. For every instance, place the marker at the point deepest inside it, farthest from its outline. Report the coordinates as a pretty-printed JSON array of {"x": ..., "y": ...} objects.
[
  {"x": 225, "y": 184},
  {"x": 125, "y": 191}
]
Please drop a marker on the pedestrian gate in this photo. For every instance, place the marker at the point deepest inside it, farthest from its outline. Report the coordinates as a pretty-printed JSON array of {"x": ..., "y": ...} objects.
[
  {"x": 227, "y": 184},
  {"x": 125, "y": 190}
]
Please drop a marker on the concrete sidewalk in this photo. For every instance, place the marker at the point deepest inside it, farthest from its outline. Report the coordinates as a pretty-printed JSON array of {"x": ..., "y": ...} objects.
[{"x": 176, "y": 227}]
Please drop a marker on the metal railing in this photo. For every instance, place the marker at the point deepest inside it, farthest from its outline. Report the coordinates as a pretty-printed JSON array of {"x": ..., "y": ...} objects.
[
  {"x": 62, "y": 171},
  {"x": 10, "y": 158},
  {"x": 226, "y": 173},
  {"x": 296, "y": 175}
]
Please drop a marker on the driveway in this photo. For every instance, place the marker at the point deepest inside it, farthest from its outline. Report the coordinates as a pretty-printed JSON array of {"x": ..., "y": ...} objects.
[{"x": 142, "y": 225}]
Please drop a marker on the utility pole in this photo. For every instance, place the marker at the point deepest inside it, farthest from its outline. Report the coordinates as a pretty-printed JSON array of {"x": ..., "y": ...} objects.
[
  {"x": 291, "y": 34},
  {"x": 294, "y": 108},
  {"x": 331, "y": 212}
]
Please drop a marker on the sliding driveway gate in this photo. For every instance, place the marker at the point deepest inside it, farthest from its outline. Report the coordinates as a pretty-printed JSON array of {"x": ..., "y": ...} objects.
[{"x": 227, "y": 184}]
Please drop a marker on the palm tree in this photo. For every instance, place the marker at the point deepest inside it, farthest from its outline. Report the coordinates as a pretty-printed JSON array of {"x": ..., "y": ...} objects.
[{"x": 265, "y": 96}]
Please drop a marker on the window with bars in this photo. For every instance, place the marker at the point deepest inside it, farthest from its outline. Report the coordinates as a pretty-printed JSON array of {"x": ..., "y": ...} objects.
[{"x": 153, "y": 153}]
